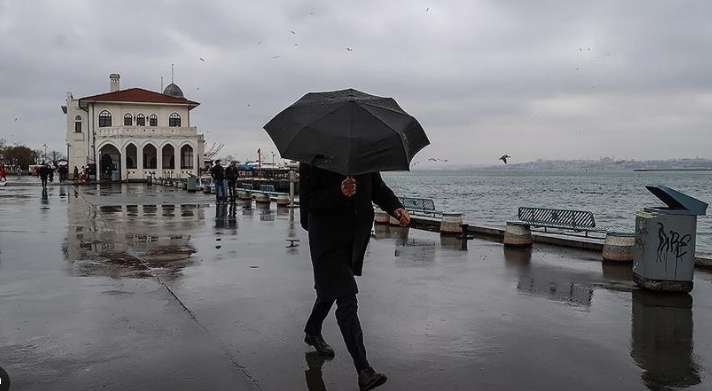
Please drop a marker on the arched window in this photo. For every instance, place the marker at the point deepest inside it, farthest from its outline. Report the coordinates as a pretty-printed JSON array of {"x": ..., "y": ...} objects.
[
  {"x": 140, "y": 120},
  {"x": 128, "y": 120},
  {"x": 78, "y": 124},
  {"x": 104, "y": 119},
  {"x": 149, "y": 156},
  {"x": 131, "y": 156},
  {"x": 174, "y": 120},
  {"x": 153, "y": 120},
  {"x": 186, "y": 157}
]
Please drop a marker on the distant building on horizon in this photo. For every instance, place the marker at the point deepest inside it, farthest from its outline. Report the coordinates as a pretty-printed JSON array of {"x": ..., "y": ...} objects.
[{"x": 132, "y": 134}]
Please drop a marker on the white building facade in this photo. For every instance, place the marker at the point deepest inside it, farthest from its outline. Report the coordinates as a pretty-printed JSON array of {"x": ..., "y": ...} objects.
[{"x": 133, "y": 134}]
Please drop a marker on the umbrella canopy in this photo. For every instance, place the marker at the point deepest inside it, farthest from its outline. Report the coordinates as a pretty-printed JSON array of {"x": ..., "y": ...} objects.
[{"x": 347, "y": 131}]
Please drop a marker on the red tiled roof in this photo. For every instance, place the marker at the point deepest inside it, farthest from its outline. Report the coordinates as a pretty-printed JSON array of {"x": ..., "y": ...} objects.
[{"x": 138, "y": 95}]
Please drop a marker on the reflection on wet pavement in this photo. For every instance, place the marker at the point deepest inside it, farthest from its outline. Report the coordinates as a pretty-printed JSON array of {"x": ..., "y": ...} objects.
[
  {"x": 315, "y": 380},
  {"x": 662, "y": 340},
  {"x": 117, "y": 241}
]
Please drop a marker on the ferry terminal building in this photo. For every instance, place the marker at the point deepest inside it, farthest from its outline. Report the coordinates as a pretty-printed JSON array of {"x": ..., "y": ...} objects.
[{"x": 133, "y": 134}]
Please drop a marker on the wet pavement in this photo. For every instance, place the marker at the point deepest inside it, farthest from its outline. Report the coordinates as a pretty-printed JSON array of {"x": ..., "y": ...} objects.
[{"x": 129, "y": 287}]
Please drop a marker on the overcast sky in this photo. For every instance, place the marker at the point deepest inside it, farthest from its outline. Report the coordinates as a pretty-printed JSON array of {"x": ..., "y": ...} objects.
[{"x": 534, "y": 79}]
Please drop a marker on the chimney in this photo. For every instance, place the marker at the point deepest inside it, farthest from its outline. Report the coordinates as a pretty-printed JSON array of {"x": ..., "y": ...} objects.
[{"x": 114, "y": 82}]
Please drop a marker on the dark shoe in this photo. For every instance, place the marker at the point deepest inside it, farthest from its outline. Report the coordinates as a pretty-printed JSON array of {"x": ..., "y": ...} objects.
[
  {"x": 368, "y": 379},
  {"x": 317, "y": 341}
]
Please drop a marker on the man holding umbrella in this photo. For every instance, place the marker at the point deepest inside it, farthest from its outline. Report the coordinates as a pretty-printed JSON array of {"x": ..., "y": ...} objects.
[
  {"x": 343, "y": 139},
  {"x": 338, "y": 213}
]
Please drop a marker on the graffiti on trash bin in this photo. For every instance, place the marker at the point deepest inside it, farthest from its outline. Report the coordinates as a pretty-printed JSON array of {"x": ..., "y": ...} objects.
[{"x": 671, "y": 244}]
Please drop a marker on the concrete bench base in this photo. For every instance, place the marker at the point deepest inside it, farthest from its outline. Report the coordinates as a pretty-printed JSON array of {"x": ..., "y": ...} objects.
[
  {"x": 451, "y": 223},
  {"x": 517, "y": 234},
  {"x": 381, "y": 217},
  {"x": 618, "y": 247}
]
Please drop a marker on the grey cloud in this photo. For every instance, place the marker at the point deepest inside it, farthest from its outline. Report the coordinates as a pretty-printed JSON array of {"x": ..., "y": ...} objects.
[{"x": 482, "y": 76}]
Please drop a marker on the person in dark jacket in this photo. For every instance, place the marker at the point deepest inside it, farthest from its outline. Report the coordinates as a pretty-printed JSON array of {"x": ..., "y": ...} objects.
[
  {"x": 231, "y": 176},
  {"x": 44, "y": 172},
  {"x": 337, "y": 212},
  {"x": 218, "y": 174}
]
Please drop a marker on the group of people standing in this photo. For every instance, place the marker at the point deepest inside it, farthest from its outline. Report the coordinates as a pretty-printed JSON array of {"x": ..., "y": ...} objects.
[{"x": 221, "y": 175}]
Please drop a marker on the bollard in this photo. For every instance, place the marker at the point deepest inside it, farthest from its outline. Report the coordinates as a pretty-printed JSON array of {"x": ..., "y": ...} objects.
[
  {"x": 463, "y": 237},
  {"x": 381, "y": 217},
  {"x": 450, "y": 223},
  {"x": 244, "y": 195},
  {"x": 262, "y": 198},
  {"x": 618, "y": 247},
  {"x": 283, "y": 200},
  {"x": 517, "y": 234}
]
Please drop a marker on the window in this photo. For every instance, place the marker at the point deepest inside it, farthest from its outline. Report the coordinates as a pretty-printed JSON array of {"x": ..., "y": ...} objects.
[
  {"x": 153, "y": 120},
  {"x": 174, "y": 120},
  {"x": 140, "y": 120},
  {"x": 186, "y": 157},
  {"x": 78, "y": 124},
  {"x": 104, "y": 119},
  {"x": 128, "y": 120},
  {"x": 131, "y": 156}
]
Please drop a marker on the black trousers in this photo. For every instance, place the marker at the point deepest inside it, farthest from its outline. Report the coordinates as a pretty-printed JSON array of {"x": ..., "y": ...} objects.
[{"x": 347, "y": 318}]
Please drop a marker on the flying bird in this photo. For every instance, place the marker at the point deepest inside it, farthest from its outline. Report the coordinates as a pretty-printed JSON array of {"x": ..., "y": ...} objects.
[
  {"x": 15, "y": 119},
  {"x": 504, "y": 158},
  {"x": 276, "y": 56},
  {"x": 294, "y": 32},
  {"x": 427, "y": 9},
  {"x": 349, "y": 49},
  {"x": 202, "y": 59}
]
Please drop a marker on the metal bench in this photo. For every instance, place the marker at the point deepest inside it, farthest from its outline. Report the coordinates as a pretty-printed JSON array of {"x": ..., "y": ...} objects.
[
  {"x": 419, "y": 205},
  {"x": 267, "y": 188},
  {"x": 247, "y": 186},
  {"x": 575, "y": 220}
]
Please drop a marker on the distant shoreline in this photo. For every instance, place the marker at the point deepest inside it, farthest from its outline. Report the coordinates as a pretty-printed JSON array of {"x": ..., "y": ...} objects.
[{"x": 673, "y": 169}]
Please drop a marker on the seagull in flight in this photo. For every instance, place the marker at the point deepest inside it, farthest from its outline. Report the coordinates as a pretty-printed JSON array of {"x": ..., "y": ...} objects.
[
  {"x": 504, "y": 158},
  {"x": 202, "y": 59},
  {"x": 349, "y": 49}
]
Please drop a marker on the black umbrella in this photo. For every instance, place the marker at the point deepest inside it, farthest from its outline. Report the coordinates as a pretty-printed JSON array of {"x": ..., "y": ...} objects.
[{"x": 348, "y": 131}]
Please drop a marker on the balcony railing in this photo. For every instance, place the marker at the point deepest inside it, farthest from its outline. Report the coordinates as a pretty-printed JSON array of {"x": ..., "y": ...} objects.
[{"x": 147, "y": 131}]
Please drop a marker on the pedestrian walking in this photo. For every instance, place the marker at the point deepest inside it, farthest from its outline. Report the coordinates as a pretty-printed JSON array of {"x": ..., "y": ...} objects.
[
  {"x": 337, "y": 212},
  {"x": 217, "y": 172},
  {"x": 3, "y": 173},
  {"x": 44, "y": 172},
  {"x": 76, "y": 174}
]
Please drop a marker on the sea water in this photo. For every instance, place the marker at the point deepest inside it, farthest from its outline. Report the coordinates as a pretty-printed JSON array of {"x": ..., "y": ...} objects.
[{"x": 493, "y": 196}]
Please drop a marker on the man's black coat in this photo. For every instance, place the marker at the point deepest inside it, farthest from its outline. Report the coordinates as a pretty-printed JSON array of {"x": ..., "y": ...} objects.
[{"x": 332, "y": 219}]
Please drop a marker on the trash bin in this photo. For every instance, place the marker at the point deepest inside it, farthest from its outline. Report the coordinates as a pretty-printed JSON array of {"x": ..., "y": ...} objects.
[
  {"x": 115, "y": 176},
  {"x": 192, "y": 185},
  {"x": 664, "y": 252}
]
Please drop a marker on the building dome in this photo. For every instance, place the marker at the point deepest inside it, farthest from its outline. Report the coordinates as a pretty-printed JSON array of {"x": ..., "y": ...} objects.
[{"x": 174, "y": 91}]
